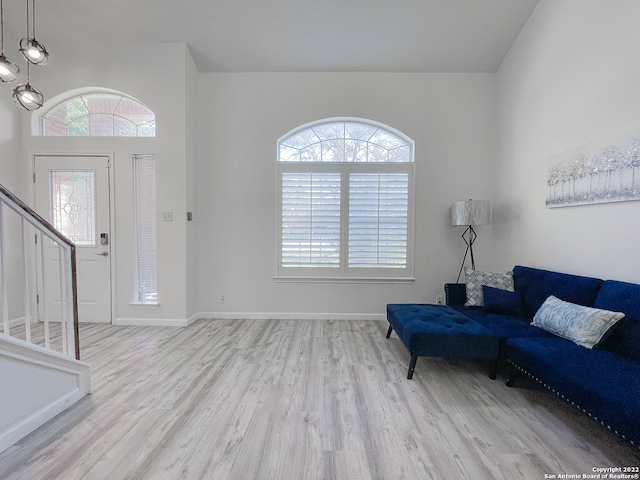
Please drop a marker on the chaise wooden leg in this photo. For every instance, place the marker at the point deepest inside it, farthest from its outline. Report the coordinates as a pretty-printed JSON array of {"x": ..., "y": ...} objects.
[
  {"x": 493, "y": 368},
  {"x": 389, "y": 331},
  {"x": 412, "y": 366}
]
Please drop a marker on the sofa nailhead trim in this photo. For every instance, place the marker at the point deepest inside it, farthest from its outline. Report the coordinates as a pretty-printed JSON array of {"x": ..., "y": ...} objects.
[{"x": 574, "y": 404}]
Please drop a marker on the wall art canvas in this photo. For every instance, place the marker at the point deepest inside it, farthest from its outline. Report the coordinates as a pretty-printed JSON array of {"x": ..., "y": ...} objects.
[{"x": 599, "y": 172}]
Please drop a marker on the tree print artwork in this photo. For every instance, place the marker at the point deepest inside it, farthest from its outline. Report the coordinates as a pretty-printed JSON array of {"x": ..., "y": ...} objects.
[{"x": 600, "y": 172}]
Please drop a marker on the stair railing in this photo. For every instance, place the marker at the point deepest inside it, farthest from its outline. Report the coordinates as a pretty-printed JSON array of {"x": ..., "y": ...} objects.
[{"x": 29, "y": 221}]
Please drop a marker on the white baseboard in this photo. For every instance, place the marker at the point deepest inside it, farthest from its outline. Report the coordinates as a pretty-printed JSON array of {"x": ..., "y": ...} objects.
[
  {"x": 27, "y": 425},
  {"x": 153, "y": 322},
  {"x": 22, "y": 351},
  {"x": 179, "y": 322},
  {"x": 37, "y": 357},
  {"x": 159, "y": 322},
  {"x": 289, "y": 316},
  {"x": 16, "y": 322}
]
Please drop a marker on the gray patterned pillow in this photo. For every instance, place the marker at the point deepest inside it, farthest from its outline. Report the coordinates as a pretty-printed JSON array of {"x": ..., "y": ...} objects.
[{"x": 476, "y": 279}]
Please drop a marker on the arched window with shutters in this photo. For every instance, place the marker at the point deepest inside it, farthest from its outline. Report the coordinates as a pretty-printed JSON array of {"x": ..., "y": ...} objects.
[{"x": 345, "y": 201}]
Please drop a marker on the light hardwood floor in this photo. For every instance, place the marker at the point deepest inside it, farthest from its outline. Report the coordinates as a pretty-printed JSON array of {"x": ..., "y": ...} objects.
[{"x": 284, "y": 399}]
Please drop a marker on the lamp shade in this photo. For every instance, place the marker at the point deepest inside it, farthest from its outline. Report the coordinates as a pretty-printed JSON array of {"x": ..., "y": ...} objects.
[
  {"x": 9, "y": 71},
  {"x": 28, "y": 97},
  {"x": 471, "y": 212},
  {"x": 33, "y": 51}
]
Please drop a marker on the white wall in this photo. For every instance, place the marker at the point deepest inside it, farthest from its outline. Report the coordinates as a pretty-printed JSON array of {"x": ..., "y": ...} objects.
[
  {"x": 571, "y": 78},
  {"x": 36, "y": 385},
  {"x": 452, "y": 119},
  {"x": 155, "y": 75},
  {"x": 191, "y": 185},
  {"x": 13, "y": 175}
]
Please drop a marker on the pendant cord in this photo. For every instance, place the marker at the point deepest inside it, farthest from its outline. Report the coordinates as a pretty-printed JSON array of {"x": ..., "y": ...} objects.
[
  {"x": 33, "y": 18},
  {"x": 1, "y": 27}
]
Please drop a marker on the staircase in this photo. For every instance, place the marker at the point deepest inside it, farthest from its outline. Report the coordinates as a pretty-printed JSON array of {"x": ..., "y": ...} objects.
[{"x": 42, "y": 374}]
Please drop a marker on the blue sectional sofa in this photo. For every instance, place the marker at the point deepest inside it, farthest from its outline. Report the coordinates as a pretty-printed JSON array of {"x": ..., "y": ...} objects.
[{"x": 602, "y": 381}]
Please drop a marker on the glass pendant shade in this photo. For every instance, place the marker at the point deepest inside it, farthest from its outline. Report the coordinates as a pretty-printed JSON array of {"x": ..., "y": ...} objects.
[
  {"x": 28, "y": 97},
  {"x": 9, "y": 71},
  {"x": 34, "y": 52}
]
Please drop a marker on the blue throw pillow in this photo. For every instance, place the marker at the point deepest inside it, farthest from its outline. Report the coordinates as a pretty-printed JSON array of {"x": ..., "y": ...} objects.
[
  {"x": 625, "y": 335},
  {"x": 476, "y": 279},
  {"x": 584, "y": 326},
  {"x": 502, "y": 302}
]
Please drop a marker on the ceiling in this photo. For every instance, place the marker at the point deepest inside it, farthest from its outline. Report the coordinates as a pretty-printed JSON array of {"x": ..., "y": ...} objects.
[{"x": 292, "y": 35}]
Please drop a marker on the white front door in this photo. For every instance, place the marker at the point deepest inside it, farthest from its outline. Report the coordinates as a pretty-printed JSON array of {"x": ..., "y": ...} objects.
[{"x": 72, "y": 193}]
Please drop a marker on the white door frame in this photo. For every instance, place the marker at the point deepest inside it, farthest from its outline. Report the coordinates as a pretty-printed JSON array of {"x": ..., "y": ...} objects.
[{"x": 112, "y": 257}]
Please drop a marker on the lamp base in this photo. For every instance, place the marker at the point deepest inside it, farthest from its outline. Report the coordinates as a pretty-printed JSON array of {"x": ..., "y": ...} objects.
[{"x": 469, "y": 236}]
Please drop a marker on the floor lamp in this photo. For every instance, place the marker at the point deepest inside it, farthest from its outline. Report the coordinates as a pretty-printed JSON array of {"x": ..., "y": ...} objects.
[{"x": 470, "y": 213}]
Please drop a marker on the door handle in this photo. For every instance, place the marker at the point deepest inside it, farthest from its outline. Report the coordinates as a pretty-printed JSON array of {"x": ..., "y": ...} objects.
[{"x": 103, "y": 254}]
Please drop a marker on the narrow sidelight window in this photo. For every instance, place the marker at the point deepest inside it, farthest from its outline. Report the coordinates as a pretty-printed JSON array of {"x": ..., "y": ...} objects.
[{"x": 144, "y": 198}]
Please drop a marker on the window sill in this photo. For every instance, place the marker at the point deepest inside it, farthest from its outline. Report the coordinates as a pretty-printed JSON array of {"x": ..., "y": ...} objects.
[
  {"x": 144, "y": 306},
  {"x": 308, "y": 279}
]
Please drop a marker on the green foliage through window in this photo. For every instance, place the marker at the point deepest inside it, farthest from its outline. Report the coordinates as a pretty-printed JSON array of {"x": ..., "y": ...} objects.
[
  {"x": 345, "y": 200},
  {"x": 99, "y": 115}
]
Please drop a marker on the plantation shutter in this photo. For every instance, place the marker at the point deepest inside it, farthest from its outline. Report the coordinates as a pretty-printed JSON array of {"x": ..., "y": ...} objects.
[
  {"x": 378, "y": 220},
  {"x": 310, "y": 219},
  {"x": 144, "y": 177},
  {"x": 345, "y": 202}
]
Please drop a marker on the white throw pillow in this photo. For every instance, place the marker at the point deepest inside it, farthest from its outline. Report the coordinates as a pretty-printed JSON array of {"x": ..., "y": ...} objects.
[
  {"x": 476, "y": 279},
  {"x": 582, "y": 325}
]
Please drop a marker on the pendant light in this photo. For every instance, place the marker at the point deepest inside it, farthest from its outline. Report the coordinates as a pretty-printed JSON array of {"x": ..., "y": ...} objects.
[
  {"x": 32, "y": 50},
  {"x": 26, "y": 96},
  {"x": 9, "y": 71}
]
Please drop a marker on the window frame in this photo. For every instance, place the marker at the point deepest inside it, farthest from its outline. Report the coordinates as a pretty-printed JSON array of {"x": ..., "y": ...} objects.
[
  {"x": 140, "y": 296},
  {"x": 39, "y": 116},
  {"x": 344, "y": 273}
]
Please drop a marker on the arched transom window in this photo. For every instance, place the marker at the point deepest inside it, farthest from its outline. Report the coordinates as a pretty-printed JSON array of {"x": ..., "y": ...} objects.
[
  {"x": 345, "y": 141},
  {"x": 99, "y": 114},
  {"x": 346, "y": 201}
]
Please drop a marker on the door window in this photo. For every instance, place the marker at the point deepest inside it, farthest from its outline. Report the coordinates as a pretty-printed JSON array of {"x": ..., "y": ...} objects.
[{"x": 73, "y": 205}]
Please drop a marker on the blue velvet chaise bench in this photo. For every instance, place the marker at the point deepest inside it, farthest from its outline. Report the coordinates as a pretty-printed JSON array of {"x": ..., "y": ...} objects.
[{"x": 441, "y": 331}]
